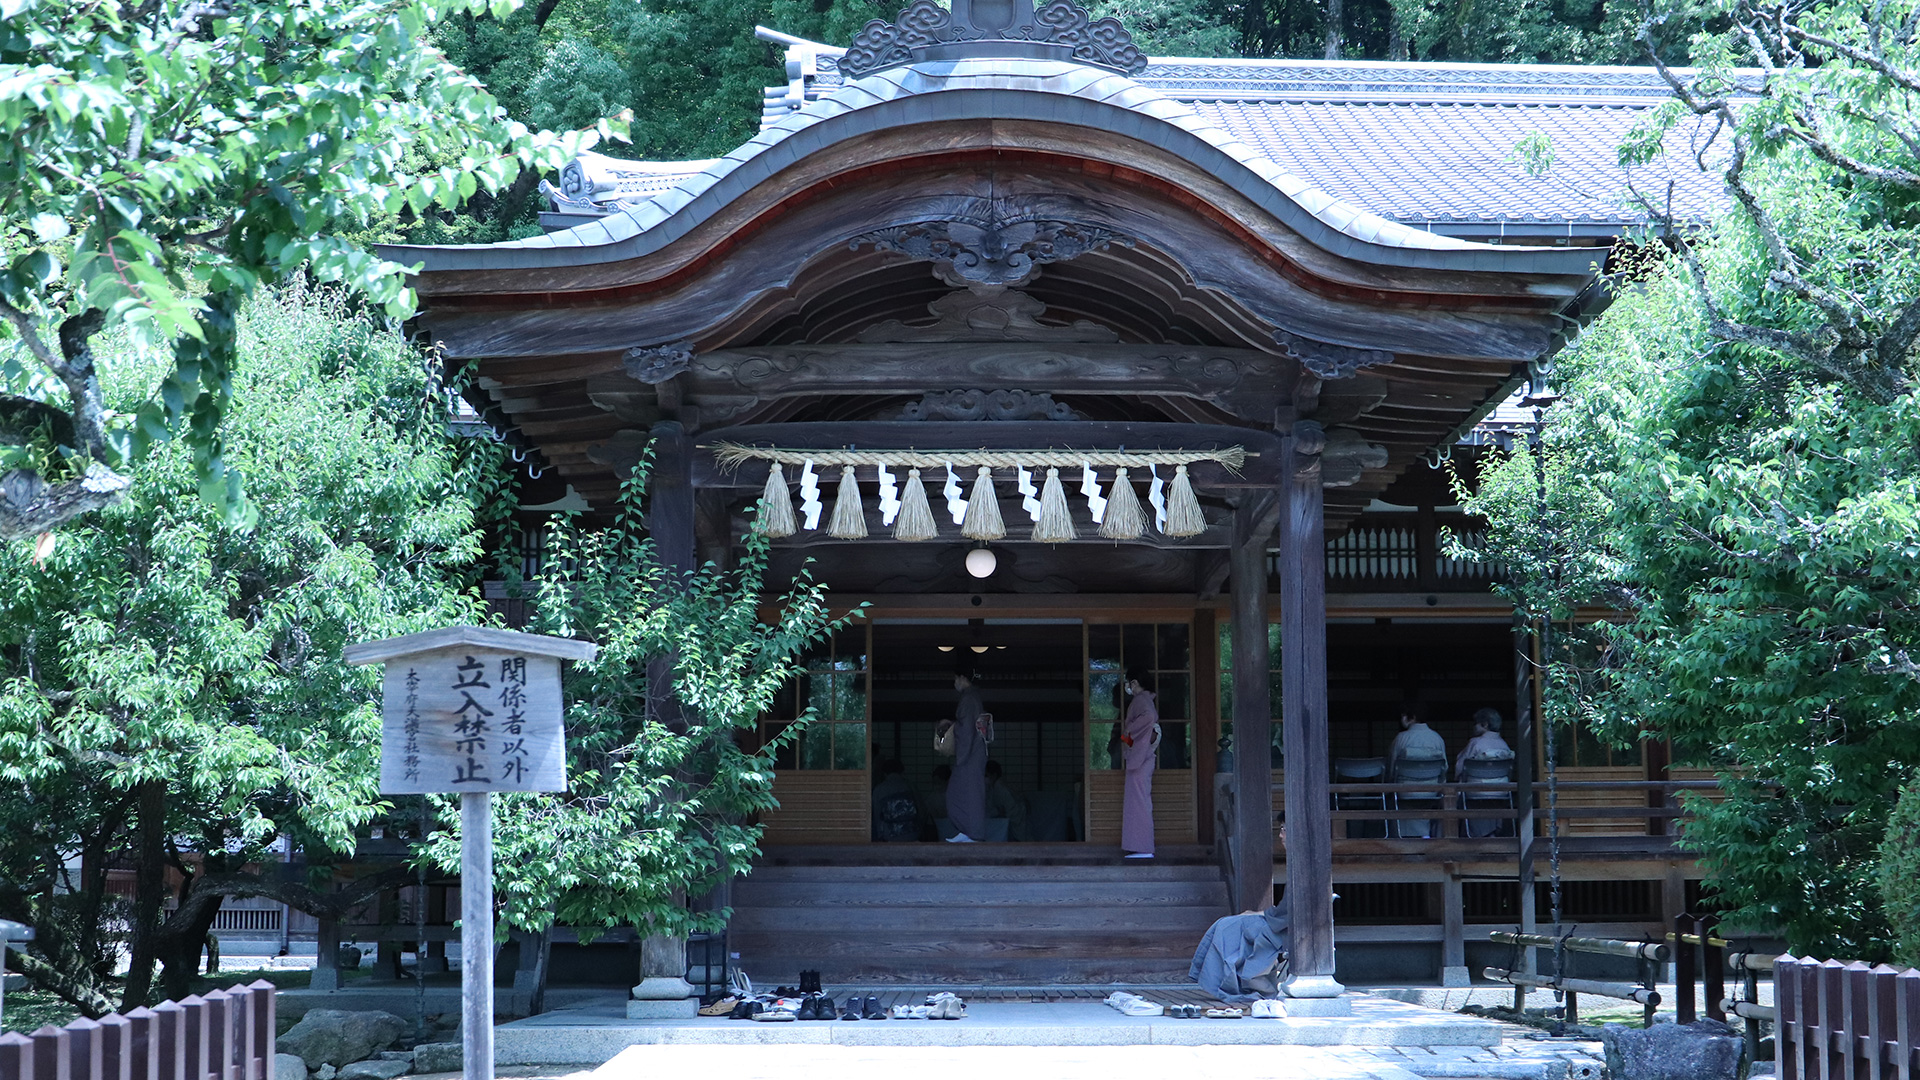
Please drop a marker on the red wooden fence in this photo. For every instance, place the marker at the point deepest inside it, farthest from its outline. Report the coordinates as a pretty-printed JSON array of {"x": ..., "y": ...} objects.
[
  {"x": 226, "y": 1035},
  {"x": 1848, "y": 1021}
]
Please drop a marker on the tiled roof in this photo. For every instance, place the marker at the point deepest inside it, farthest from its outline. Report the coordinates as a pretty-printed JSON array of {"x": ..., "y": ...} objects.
[
  {"x": 1451, "y": 162},
  {"x": 605, "y": 224},
  {"x": 1430, "y": 145}
]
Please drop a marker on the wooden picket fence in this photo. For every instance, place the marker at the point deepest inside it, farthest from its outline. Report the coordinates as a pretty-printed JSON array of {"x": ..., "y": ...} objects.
[
  {"x": 1846, "y": 1021},
  {"x": 226, "y": 1035}
]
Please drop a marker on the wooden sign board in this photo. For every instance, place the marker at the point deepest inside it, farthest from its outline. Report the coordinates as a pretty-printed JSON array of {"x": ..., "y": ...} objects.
[{"x": 471, "y": 710}]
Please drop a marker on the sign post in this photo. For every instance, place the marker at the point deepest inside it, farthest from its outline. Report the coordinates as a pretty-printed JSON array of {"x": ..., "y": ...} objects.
[{"x": 470, "y": 711}]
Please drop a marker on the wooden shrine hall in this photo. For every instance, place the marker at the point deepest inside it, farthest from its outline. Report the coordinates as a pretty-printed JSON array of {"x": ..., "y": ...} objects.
[{"x": 973, "y": 266}]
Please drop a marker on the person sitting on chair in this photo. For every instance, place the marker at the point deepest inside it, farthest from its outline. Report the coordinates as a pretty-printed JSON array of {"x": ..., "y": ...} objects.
[
  {"x": 1416, "y": 739},
  {"x": 1486, "y": 741},
  {"x": 1416, "y": 742}
]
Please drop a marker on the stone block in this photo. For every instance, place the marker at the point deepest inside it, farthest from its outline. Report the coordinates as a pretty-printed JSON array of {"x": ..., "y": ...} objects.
[
  {"x": 681, "y": 1009},
  {"x": 1318, "y": 1007},
  {"x": 1702, "y": 1050},
  {"x": 289, "y": 1067},
  {"x": 438, "y": 1057},
  {"x": 1455, "y": 977},
  {"x": 337, "y": 1036},
  {"x": 375, "y": 1070}
]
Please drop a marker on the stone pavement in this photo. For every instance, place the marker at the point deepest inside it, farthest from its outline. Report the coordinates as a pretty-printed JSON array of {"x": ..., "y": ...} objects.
[
  {"x": 595, "y": 1034},
  {"x": 1524, "y": 1060}
]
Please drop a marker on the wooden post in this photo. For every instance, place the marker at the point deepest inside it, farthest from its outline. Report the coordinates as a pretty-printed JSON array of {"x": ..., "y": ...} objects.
[
  {"x": 1303, "y": 684},
  {"x": 1523, "y": 802},
  {"x": 476, "y": 934},
  {"x": 1206, "y": 719},
  {"x": 1252, "y": 713},
  {"x": 1453, "y": 930},
  {"x": 326, "y": 960}
]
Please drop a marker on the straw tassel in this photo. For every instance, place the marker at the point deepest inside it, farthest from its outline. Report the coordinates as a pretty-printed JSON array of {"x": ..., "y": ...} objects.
[
  {"x": 776, "y": 506},
  {"x": 1125, "y": 520},
  {"x": 1183, "y": 507},
  {"x": 983, "y": 510},
  {"x": 1056, "y": 521},
  {"x": 916, "y": 517},
  {"x": 849, "y": 517}
]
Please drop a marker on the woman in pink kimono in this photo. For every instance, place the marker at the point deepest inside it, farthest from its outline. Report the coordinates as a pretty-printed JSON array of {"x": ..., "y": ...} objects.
[{"x": 1139, "y": 741}]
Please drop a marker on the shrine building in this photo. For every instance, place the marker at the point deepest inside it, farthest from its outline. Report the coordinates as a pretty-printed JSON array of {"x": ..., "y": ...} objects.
[{"x": 999, "y": 249}]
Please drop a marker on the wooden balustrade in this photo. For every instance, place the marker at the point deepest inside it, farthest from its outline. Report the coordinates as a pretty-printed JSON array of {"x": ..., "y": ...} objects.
[
  {"x": 1452, "y": 804},
  {"x": 226, "y": 1035}
]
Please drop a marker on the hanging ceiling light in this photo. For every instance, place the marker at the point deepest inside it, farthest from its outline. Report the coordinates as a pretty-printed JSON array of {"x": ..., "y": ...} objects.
[
  {"x": 981, "y": 561},
  {"x": 978, "y": 648},
  {"x": 944, "y": 648}
]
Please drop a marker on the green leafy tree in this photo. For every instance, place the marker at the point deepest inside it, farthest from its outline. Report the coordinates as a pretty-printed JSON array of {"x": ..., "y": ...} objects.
[
  {"x": 171, "y": 684},
  {"x": 166, "y": 159},
  {"x": 1900, "y": 876},
  {"x": 661, "y": 800},
  {"x": 1745, "y": 414}
]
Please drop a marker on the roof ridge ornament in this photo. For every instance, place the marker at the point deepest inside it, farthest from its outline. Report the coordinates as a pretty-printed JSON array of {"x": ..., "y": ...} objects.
[{"x": 1051, "y": 28}]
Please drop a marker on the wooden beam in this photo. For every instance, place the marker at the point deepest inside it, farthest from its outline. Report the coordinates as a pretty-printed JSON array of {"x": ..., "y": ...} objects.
[
  {"x": 1252, "y": 886},
  {"x": 1245, "y": 382},
  {"x": 1303, "y": 681}
]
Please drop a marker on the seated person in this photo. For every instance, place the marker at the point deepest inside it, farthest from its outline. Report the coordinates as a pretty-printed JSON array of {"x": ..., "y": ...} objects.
[
  {"x": 1416, "y": 739},
  {"x": 897, "y": 814},
  {"x": 1002, "y": 803},
  {"x": 1416, "y": 742},
  {"x": 1243, "y": 957},
  {"x": 1486, "y": 741}
]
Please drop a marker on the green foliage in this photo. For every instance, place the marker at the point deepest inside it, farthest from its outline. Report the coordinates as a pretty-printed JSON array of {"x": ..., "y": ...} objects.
[
  {"x": 1900, "y": 876},
  {"x": 660, "y": 801},
  {"x": 1174, "y": 27},
  {"x": 160, "y": 644},
  {"x": 167, "y": 159}
]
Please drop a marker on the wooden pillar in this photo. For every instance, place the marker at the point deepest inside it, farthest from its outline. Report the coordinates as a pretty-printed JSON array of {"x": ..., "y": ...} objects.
[
  {"x": 1453, "y": 930},
  {"x": 1524, "y": 756},
  {"x": 1303, "y": 685},
  {"x": 1252, "y": 710},
  {"x": 1206, "y": 717},
  {"x": 670, "y": 524}
]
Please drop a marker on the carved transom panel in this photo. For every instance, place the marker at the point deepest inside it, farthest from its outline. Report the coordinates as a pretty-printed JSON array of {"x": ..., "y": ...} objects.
[
  {"x": 992, "y": 251},
  {"x": 985, "y": 405}
]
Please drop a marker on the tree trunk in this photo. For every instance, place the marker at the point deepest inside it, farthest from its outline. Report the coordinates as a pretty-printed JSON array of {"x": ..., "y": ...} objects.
[
  {"x": 542, "y": 945},
  {"x": 149, "y": 892},
  {"x": 182, "y": 945},
  {"x": 1336, "y": 15}
]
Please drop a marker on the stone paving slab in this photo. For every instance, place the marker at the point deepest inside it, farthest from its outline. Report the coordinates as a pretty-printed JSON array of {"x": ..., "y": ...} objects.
[
  {"x": 596, "y": 1034},
  {"x": 974, "y": 1062}
]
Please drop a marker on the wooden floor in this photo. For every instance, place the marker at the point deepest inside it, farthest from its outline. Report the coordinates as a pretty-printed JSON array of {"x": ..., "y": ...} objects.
[{"x": 1006, "y": 915}]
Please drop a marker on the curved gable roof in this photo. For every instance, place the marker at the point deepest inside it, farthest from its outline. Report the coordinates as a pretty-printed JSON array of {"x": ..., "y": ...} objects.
[{"x": 1041, "y": 90}]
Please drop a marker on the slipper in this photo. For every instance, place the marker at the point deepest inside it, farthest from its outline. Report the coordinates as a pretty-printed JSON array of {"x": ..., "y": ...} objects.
[
  {"x": 949, "y": 1008},
  {"x": 1228, "y": 1013},
  {"x": 1268, "y": 1009},
  {"x": 722, "y": 1007},
  {"x": 1142, "y": 1007}
]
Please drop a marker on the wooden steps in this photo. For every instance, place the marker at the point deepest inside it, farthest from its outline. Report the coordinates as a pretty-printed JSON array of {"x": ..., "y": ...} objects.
[{"x": 1011, "y": 914}]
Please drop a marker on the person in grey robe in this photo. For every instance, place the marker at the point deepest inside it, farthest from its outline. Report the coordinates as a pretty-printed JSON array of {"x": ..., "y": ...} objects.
[
  {"x": 967, "y": 790},
  {"x": 1242, "y": 957}
]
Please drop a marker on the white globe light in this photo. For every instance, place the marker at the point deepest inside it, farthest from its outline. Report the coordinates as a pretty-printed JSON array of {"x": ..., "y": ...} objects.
[{"x": 981, "y": 562}]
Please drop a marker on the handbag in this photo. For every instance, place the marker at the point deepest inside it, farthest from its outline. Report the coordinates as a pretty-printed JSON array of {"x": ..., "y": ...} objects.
[{"x": 943, "y": 740}]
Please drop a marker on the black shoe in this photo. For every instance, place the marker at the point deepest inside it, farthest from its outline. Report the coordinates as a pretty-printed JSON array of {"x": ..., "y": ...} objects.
[
  {"x": 805, "y": 1011},
  {"x": 742, "y": 1011},
  {"x": 853, "y": 1009},
  {"x": 871, "y": 1009},
  {"x": 825, "y": 1008}
]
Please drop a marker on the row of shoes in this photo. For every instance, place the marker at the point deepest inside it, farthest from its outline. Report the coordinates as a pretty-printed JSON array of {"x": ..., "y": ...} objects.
[
  {"x": 1195, "y": 1012},
  {"x": 940, "y": 1006}
]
